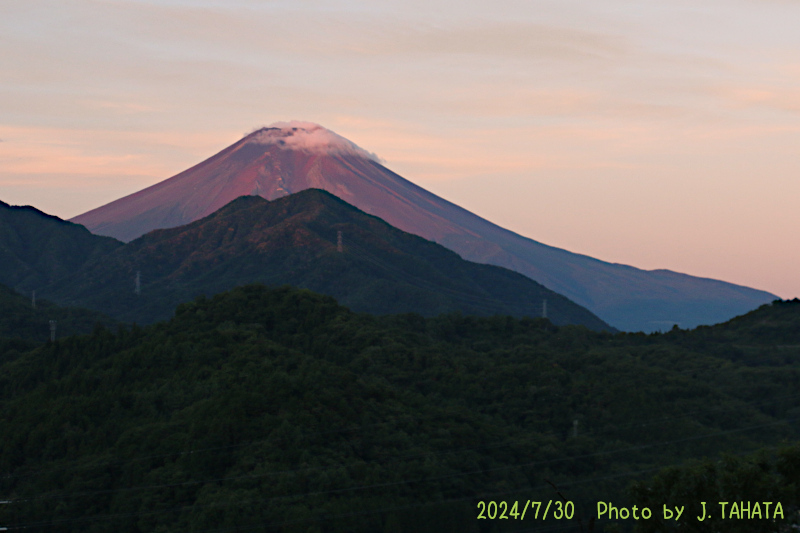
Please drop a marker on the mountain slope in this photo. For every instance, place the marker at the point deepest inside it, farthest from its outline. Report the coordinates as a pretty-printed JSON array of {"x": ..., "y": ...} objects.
[
  {"x": 277, "y": 161},
  {"x": 20, "y": 320},
  {"x": 37, "y": 249},
  {"x": 294, "y": 240},
  {"x": 767, "y": 335}
]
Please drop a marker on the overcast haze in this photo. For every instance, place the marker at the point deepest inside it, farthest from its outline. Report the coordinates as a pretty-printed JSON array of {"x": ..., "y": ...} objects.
[{"x": 656, "y": 134}]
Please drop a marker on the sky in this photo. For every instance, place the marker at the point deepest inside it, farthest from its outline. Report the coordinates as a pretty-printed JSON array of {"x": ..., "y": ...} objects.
[{"x": 659, "y": 134}]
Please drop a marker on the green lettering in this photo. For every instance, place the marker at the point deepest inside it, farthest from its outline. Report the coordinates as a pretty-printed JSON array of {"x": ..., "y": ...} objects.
[
  {"x": 744, "y": 511},
  {"x": 702, "y": 517}
]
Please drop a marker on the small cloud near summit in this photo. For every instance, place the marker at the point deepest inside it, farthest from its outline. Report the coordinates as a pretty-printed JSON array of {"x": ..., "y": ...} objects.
[{"x": 308, "y": 137}]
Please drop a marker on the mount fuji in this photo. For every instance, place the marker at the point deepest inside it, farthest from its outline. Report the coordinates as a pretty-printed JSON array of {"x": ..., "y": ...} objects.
[{"x": 286, "y": 158}]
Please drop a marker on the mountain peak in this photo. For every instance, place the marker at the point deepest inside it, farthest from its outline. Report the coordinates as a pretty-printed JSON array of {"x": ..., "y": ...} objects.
[
  {"x": 307, "y": 137},
  {"x": 289, "y": 157}
]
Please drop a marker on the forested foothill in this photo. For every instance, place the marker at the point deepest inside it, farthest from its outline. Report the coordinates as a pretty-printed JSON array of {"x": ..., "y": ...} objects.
[
  {"x": 278, "y": 410},
  {"x": 28, "y": 319},
  {"x": 310, "y": 239}
]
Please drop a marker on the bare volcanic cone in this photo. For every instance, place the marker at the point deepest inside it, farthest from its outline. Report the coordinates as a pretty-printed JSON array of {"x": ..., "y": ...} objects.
[
  {"x": 289, "y": 157},
  {"x": 273, "y": 162}
]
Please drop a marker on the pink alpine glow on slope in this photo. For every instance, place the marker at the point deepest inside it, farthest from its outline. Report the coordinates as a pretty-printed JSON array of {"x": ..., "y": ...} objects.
[{"x": 289, "y": 157}]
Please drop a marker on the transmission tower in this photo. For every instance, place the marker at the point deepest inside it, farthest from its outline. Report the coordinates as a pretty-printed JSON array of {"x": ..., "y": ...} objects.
[
  {"x": 53, "y": 324},
  {"x": 138, "y": 286}
]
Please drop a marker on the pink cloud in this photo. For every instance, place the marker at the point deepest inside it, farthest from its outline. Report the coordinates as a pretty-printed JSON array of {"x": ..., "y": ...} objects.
[{"x": 308, "y": 137}]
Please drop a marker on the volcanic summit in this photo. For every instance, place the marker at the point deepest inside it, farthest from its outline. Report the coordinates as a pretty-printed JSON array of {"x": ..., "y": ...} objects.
[{"x": 289, "y": 157}]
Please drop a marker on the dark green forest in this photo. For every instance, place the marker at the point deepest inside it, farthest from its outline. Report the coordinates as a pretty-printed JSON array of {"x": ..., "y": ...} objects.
[
  {"x": 21, "y": 318},
  {"x": 278, "y": 410}
]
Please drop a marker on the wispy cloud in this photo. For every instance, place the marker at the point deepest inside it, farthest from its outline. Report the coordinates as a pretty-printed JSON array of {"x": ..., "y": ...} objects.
[
  {"x": 777, "y": 99},
  {"x": 103, "y": 96},
  {"x": 309, "y": 137},
  {"x": 42, "y": 150}
]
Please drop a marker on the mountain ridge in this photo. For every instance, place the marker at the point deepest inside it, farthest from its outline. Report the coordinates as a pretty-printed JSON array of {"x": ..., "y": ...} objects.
[
  {"x": 37, "y": 248},
  {"x": 627, "y": 297},
  {"x": 293, "y": 240}
]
